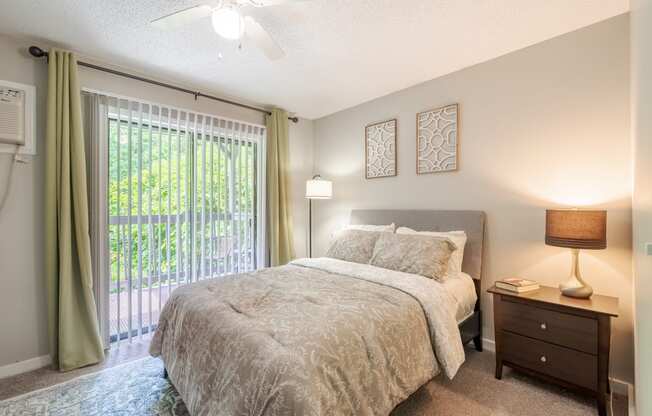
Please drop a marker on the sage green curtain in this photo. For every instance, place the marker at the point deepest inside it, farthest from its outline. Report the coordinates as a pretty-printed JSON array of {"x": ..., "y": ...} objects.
[
  {"x": 73, "y": 327},
  {"x": 279, "y": 215}
]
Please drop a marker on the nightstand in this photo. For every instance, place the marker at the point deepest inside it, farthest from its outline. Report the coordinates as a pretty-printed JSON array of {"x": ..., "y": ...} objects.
[{"x": 563, "y": 340}]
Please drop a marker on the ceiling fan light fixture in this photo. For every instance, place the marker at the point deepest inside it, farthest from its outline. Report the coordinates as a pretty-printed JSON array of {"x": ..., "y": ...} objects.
[{"x": 228, "y": 22}]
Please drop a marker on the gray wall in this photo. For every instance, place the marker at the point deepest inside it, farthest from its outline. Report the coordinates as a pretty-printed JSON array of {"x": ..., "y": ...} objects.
[
  {"x": 23, "y": 319},
  {"x": 641, "y": 34},
  {"x": 545, "y": 126}
]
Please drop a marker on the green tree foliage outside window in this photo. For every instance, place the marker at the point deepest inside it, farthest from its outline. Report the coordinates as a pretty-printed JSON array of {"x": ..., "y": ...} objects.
[{"x": 182, "y": 178}]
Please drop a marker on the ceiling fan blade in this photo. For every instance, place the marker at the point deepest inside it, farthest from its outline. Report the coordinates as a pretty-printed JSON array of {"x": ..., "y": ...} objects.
[
  {"x": 262, "y": 39},
  {"x": 182, "y": 18}
]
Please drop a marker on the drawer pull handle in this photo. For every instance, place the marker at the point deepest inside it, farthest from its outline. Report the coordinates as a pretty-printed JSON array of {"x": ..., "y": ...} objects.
[
  {"x": 544, "y": 326},
  {"x": 543, "y": 359}
]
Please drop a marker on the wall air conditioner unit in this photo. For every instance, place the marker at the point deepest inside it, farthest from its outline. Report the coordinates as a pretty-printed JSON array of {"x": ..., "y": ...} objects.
[{"x": 17, "y": 118}]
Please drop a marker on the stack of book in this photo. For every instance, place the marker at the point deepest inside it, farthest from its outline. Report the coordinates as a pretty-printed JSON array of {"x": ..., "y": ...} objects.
[{"x": 517, "y": 285}]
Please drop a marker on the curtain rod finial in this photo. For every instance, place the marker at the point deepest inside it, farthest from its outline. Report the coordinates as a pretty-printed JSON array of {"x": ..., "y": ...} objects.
[
  {"x": 294, "y": 119},
  {"x": 37, "y": 52}
]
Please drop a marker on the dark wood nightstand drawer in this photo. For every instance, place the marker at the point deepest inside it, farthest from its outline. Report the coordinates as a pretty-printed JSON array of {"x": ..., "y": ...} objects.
[
  {"x": 563, "y": 363},
  {"x": 566, "y": 330},
  {"x": 574, "y": 338}
]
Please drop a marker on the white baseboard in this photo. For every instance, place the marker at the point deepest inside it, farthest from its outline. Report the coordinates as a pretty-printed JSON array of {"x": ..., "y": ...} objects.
[
  {"x": 25, "y": 366},
  {"x": 617, "y": 386},
  {"x": 631, "y": 400},
  {"x": 488, "y": 344}
]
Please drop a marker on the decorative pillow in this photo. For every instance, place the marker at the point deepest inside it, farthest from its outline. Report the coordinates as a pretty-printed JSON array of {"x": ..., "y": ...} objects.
[
  {"x": 368, "y": 227},
  {"x": 411, "y": 253},
  {"x": 457, "y": 237},
  {"x": 356, "y": 246}
]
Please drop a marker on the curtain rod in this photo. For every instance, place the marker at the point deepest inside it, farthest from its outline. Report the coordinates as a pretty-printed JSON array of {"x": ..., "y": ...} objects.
[{"x": 37, "y": 52}]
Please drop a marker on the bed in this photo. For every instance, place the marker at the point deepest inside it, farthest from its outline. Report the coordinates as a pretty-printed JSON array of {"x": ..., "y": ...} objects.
[
  {"x": 470, "y": 221},
  {"x": 321, "y": 336}
]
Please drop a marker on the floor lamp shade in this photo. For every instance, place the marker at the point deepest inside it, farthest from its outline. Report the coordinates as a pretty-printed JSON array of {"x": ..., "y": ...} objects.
[
  {"x": 576, "y": 229},
  {"x": 318, "y": 188}
]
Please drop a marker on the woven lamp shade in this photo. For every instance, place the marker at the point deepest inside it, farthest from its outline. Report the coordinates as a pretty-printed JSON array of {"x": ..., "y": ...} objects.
[{"x": 571, "y": 228}]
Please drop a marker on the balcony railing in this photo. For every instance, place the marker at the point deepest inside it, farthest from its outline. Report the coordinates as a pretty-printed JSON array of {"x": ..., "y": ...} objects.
[{"x": 144, "y": 275}]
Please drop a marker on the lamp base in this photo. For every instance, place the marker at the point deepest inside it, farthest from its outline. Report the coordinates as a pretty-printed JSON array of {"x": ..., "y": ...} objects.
[{"x": 575, "y": 287}]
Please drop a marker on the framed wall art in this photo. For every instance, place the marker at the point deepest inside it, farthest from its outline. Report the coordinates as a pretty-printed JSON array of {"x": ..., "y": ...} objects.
[
  {"x": 380, "y": 149},
  {"x": 437, "y": 140}
]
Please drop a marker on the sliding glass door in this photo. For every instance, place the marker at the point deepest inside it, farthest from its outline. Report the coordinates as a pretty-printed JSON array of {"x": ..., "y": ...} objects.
[{"x": 184, "y": 195}]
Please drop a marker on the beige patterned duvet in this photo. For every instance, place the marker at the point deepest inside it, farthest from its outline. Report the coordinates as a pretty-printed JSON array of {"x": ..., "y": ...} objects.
[{"x": 315, "y": 337}]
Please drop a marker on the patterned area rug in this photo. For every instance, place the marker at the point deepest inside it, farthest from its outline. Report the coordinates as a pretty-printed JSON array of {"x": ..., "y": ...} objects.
[
  {"x": 135, "y": 388},
  {"x": 138, "y": 388}
]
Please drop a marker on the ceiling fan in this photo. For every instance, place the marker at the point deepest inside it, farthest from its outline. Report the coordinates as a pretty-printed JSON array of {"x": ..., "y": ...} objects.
[{"x": 230, "y": 21}]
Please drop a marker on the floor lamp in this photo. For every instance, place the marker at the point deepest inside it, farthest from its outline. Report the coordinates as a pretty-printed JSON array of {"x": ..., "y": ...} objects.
[{"x": 316, "y": 188}]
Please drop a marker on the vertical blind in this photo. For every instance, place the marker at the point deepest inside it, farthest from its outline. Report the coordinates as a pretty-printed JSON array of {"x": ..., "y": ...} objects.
[{"x": 184, "y": 195}]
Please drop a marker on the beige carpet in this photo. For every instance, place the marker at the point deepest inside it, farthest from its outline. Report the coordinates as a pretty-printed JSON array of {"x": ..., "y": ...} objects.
[
  {"x": 473, "y": 392},
  {"x": 46, "y": 377}
]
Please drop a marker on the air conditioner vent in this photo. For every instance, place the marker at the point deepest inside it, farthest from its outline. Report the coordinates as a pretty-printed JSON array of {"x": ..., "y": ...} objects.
[
  {"x": 17, "y": 118},
  {"x": 12, "y": 120}
]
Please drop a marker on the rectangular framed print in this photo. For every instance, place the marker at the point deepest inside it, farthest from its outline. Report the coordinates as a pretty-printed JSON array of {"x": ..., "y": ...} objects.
[
  {"x": 380, "y": 149},
  {"x": 437, "y": 140}
]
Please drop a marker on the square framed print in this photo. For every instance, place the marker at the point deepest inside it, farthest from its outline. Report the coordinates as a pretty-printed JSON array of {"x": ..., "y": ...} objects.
[
  {"x": 380, "y": 149},
  {"x": 437, "y": 140}
]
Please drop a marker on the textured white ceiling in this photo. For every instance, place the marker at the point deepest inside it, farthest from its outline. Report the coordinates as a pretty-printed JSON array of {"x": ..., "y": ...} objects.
[{"x": 340, "y": 53}]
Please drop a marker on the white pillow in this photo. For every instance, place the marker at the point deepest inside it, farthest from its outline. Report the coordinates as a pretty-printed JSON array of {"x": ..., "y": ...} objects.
[
  {"x": 368, "y": 227},
  {"x": 457, "y": 237}
]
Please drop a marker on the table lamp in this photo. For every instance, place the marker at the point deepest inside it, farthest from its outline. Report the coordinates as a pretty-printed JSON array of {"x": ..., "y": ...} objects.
[
  {"x": 576, "y": 229},
  {"x": 316, "y": 188}
]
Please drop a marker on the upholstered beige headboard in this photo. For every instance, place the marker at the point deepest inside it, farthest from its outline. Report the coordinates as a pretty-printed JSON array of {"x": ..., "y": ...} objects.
[{"x": 472, "y": 222}]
